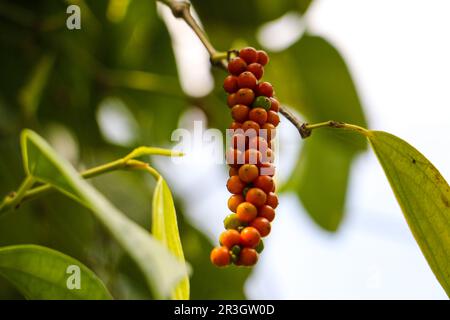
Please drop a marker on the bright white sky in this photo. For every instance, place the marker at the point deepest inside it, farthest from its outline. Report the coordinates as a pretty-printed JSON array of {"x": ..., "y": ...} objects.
[{"x": 398, "y": 55}]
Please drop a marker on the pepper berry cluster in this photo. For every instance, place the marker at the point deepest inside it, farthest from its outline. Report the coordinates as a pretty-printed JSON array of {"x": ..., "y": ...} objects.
[{"x": 255, "y": 116}]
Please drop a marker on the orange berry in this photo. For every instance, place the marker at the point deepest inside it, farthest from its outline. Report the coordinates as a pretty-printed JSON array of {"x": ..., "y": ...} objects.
[
  {"x": 235, "y": 185},
  {"x": 231, "y": 100},
  {"x": 230, "y": 238},
  {"x": 263, "y": 58},
  {"x": 230, "y": 84},
  {"x": 250, "y": 237},
  {"x": 259, "y": 115},
  {"x": 265, "y": 183},
  {"x": 257, "y": 70},
  {"x": 246, "y": 212},
  {"x": 272, "y": 200},
  {"x": 234, "y": 201},
  {"x": 262, "y": 225},
  {"x": 266, "y": 212},
  {"x": 220, "y": 256},
  {"x": 248, "y": 172},
  {"x": 249, "y": 54},
  {"x": 236, "y": 66},
  {"x": 248, "y": 257},
  {"x": 251, "y": 125},
  {"x": 245, "y": 96},
  {"x": 240, "y": 112},
  {"x": 256, "y": 196},
  {"x": 273, "y": 118}
]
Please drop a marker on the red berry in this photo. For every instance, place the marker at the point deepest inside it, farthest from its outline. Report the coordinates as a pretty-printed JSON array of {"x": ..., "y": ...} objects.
[
  {"x": 220, "y": 256},
  {"x": 248, "y": 257},
  {"x": 262, "y": 225},
  {"x": 275, "y": 105},
  {"x": 263, "y": 58},
  {"x": 235, "y": 125},
  {"x": 273, "y": 118},
  {"x": 235, "y": 185},
  {"x": 272, "y": 200},
  {"x": 240, "y": 112},
  {"x": 247, "y": 80},
  {"x": 257, "y": 69},
  {"x": 230, "y": 84},
  {"x": 249, "y": 54},
  {"x": 256, "y": 196},
  {"x": 233, "y": 171},
  {"x": 236, "y": 66},
  {"x": 265, "y": 183},
  {"x": 265, "y": 89},
  {"x": 267, "y": 212},
  {"x": 230, "y": 238},
  {"x": 250, "y": 237},
  {"x": 245, "y": 96},
  {"x": 246, "y": 212}
]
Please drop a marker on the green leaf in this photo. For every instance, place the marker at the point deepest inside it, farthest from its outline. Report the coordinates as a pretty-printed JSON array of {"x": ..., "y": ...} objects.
[
  {"x": 320, "y": 179},
  {"x": 165, "y": 229},
  {"x": 424, "y": 197},
  {"x": 321, "y": 88},
  {"x": 160, "y": 268},
  {"x": 42, "y": 273}
]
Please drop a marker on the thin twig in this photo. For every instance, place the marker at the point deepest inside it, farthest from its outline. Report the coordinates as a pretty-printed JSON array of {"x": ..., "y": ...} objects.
[{"x": 181, "y": 9}]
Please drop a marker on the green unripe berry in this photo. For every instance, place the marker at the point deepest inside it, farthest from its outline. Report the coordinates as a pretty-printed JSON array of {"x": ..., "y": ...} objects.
[
  {"x": 236, "y": 250},
  {"x": 244, "y": 192},
  {"x": 262, "y": 102},
  {"x": 260, "y": 247},
  {"x": 231, "y": 222}
]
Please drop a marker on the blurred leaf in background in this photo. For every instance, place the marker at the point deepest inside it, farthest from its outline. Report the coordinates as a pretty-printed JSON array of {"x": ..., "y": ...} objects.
[{"x": 320, "y": 88}]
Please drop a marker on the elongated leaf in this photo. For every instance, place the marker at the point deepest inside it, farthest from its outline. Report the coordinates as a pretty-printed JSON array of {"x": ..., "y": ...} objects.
[
  {"x": 320, "y": 179},
  {"x": 161, "y": 269},
  {"x": 424, "y": 197},
  {"x": 321, "y": 88},
  {"x": 42, "y": 273},
  {"x": 165, "y": 229},
  {"x": 31, "y": 93}
]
